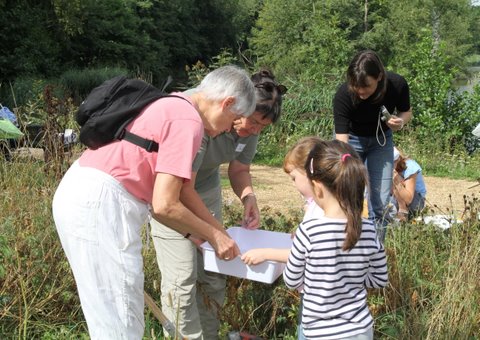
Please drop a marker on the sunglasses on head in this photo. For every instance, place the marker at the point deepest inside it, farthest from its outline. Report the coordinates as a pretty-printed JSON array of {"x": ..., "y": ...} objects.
[{"x": 270, "y": 86}]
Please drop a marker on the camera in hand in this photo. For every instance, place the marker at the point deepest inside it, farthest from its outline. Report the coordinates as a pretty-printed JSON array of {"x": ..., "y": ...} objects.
[{"x": 385, "y": 114}]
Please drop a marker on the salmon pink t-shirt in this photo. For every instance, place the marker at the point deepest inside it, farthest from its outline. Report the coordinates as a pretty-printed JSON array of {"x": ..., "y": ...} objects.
[{"x": 171, "y": 122}]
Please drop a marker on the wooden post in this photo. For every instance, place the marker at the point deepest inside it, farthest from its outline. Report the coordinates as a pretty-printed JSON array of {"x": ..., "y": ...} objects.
[{"x": 157, "y": 312}]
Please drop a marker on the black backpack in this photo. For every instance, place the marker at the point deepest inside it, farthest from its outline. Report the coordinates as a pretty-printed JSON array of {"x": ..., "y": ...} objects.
[{"x": 108, "y": 109}]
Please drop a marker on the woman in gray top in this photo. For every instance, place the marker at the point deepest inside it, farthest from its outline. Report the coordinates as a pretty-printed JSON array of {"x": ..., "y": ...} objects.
[{"x": 191, "y": 297}]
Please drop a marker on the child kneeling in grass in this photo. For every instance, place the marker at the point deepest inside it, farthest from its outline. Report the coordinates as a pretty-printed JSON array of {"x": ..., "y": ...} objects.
[{"x": 409, "y": 189}]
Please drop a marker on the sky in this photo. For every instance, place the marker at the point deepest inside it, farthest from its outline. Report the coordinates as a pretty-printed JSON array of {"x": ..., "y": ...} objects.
[{"x": 476, "y": 2}]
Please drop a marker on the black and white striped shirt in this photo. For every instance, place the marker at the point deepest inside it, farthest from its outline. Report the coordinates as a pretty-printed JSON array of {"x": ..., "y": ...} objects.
[{"x": 335, "y": 297}]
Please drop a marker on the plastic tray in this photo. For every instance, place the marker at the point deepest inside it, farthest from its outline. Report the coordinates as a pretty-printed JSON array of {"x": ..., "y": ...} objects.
[{"x": 266, "y": 272}]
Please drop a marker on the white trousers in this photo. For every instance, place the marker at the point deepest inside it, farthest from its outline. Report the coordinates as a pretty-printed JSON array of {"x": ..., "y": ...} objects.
[{"x": 99, "y": 224}]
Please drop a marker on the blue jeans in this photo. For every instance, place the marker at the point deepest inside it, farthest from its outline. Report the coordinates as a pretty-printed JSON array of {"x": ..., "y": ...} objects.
[
  {"x": 379, "y": 162},
  {"x": 300, "y": 335},
  {"x": 415, "y": 207}
]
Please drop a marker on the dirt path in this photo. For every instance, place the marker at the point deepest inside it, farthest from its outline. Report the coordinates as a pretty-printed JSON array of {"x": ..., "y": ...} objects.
[{"x": 275, "y": 189}]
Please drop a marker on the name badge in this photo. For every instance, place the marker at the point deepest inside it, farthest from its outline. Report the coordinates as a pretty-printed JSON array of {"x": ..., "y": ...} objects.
[{"x": 240, "y": 147}]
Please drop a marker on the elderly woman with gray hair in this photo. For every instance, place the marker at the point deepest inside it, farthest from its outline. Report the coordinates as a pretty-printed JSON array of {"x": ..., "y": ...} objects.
[{"x": 108, "y": 194}]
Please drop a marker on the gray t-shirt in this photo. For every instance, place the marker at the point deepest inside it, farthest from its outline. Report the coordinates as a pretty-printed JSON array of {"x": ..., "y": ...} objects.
[{"x": 222, "y": 149}]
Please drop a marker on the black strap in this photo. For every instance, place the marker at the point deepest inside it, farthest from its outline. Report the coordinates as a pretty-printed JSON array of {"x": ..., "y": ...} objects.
[{"x": 147, "y": 144}]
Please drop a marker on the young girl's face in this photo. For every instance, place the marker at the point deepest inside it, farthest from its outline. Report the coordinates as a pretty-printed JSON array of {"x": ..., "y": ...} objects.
[{"x": 301, "y": 182}]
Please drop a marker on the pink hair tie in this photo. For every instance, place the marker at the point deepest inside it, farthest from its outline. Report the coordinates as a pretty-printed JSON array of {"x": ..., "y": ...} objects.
[{"x": 344, "y": 156}]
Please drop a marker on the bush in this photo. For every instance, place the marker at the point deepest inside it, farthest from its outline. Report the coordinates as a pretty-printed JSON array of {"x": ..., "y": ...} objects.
[
  {"x": 306, "y": 111},
  {"x": 78, "y": 83},
  {"x": 20, "y": 92}
]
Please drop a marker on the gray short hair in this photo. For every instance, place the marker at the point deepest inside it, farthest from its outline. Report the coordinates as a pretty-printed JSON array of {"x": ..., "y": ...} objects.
[{"x": 230, "y": 81}]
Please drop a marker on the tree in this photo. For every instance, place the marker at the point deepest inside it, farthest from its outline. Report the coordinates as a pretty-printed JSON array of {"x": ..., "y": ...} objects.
[
  {"x": 69, "y": 15},
  {"x": 29, "y": 38},
  {"x": 475, "y": 27},
  {"x": 301, "y": 37},
  {"x": 146, "y": 36},
  {"x": 111, "y": 35},
  {"x": 399, "y": 25}
]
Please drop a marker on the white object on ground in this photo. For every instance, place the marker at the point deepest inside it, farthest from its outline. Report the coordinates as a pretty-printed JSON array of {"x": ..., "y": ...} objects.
[{"x": 442, "y": 221}]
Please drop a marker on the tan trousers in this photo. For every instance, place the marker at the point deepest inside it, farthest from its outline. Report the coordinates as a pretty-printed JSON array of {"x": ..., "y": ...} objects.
[{"x": 191, "y": 297}]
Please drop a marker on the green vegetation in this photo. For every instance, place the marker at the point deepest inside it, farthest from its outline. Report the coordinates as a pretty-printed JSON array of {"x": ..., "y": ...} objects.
[{"x": 474, "y": 60}]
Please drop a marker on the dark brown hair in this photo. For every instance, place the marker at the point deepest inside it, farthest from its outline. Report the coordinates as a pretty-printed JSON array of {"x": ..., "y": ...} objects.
[
  {"x": 366, "y": 64},
  {"x": 338, "y": 167},
  {"x": 269, "y": 94}
]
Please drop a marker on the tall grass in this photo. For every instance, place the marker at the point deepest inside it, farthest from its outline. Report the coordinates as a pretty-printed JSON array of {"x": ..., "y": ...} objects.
[
  {"x": 435, "y": 160},
  {"x": 269, "y": 311},
  {"x": 434, "y": 291},
  {"x": 458, "y": 299},
  {"x": 434, "y": 287},
  {"x": 37, "y": 291},
  {"x": 78, "y": 83},
  {"x": 38, "y": 297}
]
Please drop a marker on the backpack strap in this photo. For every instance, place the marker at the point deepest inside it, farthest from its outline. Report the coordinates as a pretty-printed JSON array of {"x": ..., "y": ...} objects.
[{"x": 147, "y": 144}]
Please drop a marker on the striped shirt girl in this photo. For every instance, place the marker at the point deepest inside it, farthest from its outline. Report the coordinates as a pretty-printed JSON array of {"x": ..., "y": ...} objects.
[{"x": 334, "y": 301}]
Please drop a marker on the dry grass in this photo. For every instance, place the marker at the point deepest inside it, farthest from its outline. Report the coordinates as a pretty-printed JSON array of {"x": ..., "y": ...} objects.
[{"x": 458, "y": 300}]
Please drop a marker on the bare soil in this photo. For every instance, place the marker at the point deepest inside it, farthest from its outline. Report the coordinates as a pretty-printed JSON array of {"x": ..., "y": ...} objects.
[{"x": 275, "y": 190}]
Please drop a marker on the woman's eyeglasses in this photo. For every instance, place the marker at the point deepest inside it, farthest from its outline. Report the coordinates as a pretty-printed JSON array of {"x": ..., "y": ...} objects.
[
  {"x": 256, "y": 123},
  {"x": 270, "y": 86}
]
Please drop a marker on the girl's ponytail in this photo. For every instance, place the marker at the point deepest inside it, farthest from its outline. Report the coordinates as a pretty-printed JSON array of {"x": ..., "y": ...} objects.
[
  {"x": 339, "y": 168},
  {"x": 350, "y": 189}
]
